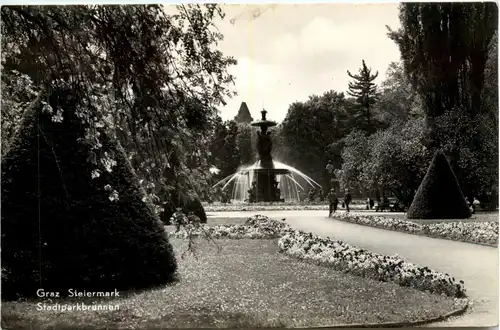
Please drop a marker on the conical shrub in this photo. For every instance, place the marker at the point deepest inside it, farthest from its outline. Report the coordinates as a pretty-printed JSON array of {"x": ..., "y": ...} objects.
[
  {"x": 62, "y": 229},
  {"x": 439, "y": 195}
]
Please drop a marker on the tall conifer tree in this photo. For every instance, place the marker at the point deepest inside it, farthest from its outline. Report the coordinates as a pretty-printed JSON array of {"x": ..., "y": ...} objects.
[{"x": 364, "y": 90}]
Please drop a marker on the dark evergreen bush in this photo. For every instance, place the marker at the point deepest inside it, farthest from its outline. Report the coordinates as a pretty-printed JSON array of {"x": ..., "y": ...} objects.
[
  {"x": 188, "y": 203},
  {"x": 193, "y": 204},
  {"x": 60, "y": 229},
  {"x": 439, "y": 195}
]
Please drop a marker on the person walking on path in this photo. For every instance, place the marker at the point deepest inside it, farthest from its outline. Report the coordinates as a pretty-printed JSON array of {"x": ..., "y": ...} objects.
[
  {"x": 347, "y": 199},
  {"x": 333, "y": 200},
  {"x": 330, "y": 174}
]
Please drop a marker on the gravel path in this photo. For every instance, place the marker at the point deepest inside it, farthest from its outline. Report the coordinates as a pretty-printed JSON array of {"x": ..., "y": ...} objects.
[{"x": 476, "y": 265}]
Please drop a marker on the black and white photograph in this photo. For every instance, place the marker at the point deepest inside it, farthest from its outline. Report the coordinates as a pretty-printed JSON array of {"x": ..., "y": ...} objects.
[{"x": 218, "y": 165}]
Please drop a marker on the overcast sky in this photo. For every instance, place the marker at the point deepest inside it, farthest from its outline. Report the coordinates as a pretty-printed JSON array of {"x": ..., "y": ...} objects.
[{"x": 292, "y": 51}]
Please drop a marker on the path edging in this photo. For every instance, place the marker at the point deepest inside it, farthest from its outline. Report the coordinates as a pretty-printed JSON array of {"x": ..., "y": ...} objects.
[
  {"x": 411, "y": 233},
  {"x": 455, "y": 312}
]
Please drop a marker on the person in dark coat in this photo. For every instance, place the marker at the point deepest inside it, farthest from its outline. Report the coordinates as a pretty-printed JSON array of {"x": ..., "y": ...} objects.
[
  {"x": 372, "y": 203},
  {"x": 333, "y": 200},
  {"x": 347, "y": 199}
]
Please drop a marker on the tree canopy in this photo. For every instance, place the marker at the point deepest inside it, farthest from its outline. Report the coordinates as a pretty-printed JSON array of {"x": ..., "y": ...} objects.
[
  {"x": 444, "y": 47},
  {"x": 152, "y": 79},
  {"x": 310, "y": 128}
]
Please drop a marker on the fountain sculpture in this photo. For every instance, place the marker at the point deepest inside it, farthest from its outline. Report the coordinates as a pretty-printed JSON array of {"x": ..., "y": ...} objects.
[{"x": 266, "y": 180}]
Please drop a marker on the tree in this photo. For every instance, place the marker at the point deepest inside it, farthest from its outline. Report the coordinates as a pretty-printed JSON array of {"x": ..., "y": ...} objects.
[
  {"x": 447, "y": 50},
  {"x": 245, "y": 142},
  {"x": 226, "y": 154},
  {"x": 397, "y": 101},
  {"x": 490, "y": 94},
  {"x": 309, "y": 129},
  {"x": 444, "y": 48},
  {"x": 152, "y": 79},
  {"x": 392, "y": 160},
  {"x": 472, "y": 148},
  {"x": 354, "y": 161},
  {"x": 397, "y": 160},
  {"x": 69, "y": 223},
  {"x": 364, "y": 90}
]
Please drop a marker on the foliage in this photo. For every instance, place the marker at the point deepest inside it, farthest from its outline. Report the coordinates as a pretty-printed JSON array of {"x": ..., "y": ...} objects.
[
  {"x": 62, "y": 229},
  {"x": 310, "y": 128},
  {"x": 392, "y": 160},
  {"x": 472, "y": 146},
  {"x": 364, "y": 90},
  {"x": 490, "y": 93},
  {"x": 397, "y": 102},
  {"x": 354, "y": 161},
  {"x": 187, "y": 203},
  {"x": 398, "y": 159},
  {"x": 245, "y": 142},
  {"x": 439, "y": 195},
  {"x": 231, "y": 146},
  {"x": 444, "y": 47},
  {"x": 449, "y": 53},
  {"x": 150, "y": 78},
  {"x": 17, "y": 93},
  {"x": 224, "y": 148}
]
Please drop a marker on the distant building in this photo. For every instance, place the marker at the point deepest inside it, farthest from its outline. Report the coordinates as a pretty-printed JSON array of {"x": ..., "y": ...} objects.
[{"x": 243, "y": 116}]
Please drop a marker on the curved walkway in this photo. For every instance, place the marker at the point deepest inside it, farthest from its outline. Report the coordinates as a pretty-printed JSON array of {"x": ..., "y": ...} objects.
[{"x": 476, "y": 265}]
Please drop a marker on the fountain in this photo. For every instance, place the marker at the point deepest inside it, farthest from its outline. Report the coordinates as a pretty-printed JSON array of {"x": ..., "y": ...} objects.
[{"x": 266, "y": 180}]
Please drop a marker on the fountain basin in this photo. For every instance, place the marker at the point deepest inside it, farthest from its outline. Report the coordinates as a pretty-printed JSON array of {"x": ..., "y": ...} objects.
[{"x": 290, "y": 183}]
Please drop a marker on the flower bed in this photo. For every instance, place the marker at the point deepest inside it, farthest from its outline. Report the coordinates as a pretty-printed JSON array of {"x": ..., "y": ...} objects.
[
  {"x": 336, "y": 254},
  {"x": 256, "y": 227},
  {"x": 348, "y": 259},
  {"x": 464, "y": 231}
]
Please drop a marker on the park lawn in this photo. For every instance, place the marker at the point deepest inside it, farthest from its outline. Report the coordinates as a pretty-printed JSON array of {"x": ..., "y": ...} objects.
[
  {"x": 248, "y": 283},
  {"x": 476, "y": 217}
]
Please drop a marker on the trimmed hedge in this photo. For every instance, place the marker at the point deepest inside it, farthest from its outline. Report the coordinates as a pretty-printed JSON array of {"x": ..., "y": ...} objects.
[
  {"x": 60, "y": 229},
  {"x": 439, "y": 195}
]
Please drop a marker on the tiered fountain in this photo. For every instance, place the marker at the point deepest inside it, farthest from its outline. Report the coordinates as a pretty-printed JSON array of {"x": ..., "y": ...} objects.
[{"x": 271, "y": 181}]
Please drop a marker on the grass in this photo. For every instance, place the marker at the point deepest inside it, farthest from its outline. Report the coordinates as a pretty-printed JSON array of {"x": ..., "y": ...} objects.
[
  {"x": 248, "y": 284},
  {"x": 477, "y": 217}
]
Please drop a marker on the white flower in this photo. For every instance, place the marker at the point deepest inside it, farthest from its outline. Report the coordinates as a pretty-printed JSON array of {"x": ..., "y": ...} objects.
[
  {"x": 114, "y": 196},
  {"x": 353, "y": 260},
  {"x": 95, "y": 174},
  {"x": 470, "y": 231},
  {"x": 58, "y": 116},
  {"x": 46, "y": 108}
]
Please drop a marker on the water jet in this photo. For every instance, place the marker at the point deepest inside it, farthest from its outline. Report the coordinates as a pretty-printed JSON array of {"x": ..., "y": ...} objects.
[{"x": 266, "y": 180}]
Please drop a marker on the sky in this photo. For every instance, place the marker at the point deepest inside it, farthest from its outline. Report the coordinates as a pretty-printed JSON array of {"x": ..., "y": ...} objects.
[{"x": 292, "y": 51}]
